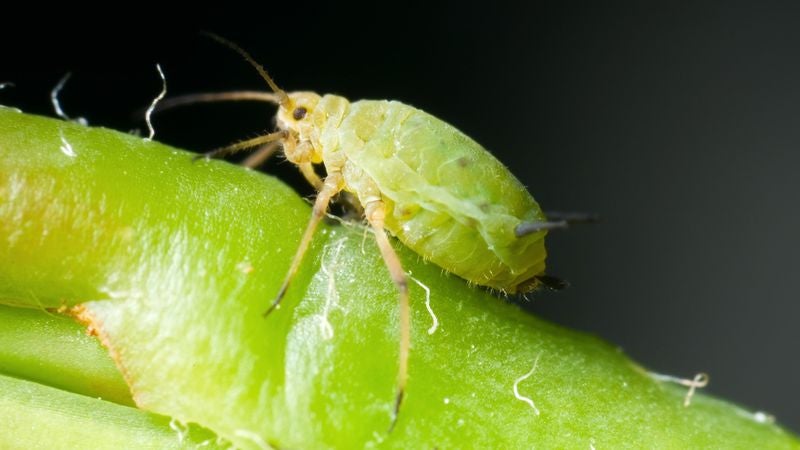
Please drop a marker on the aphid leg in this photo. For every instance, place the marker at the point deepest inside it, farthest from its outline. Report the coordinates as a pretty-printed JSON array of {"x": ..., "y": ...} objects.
[
  {"x": 244, "y": 145},
  {"x": 376, "y": 212},
  {"x": 331, "y": 186},
  {"x": 301, "y": 154},
  {"x": 262, "y": 154},
  {"x": 307, "y": 169}
]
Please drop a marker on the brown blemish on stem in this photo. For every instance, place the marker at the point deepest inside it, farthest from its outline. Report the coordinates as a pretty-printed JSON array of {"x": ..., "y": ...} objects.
[{"x": 94, "y": 328}]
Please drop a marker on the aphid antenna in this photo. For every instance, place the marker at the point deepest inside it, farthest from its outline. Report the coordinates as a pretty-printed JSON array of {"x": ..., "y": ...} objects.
[
  {"x": 211, "y": 97},
  {"x": 282, "y": 98}
]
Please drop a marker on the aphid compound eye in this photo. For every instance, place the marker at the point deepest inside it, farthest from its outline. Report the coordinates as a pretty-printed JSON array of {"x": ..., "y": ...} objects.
[{"x": 299, "y": 113}]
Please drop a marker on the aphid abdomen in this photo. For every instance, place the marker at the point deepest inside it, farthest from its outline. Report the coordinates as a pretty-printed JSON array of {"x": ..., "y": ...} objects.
[
  {"x": 448, "y": 199},
  {"x": 428, "y": 232}
]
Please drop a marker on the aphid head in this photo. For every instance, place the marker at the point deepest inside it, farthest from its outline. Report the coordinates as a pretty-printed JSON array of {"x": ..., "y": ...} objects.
[
  {"x": 296, "y": 116},
  {"x": 295, "y": 113}
]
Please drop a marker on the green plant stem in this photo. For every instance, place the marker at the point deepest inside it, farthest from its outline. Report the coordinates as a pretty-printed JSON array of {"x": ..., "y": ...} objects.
[
  {"x": 173, "y": 262},
  {"x": 38, "y": 416},
  {"x": 55, "y": 350}
]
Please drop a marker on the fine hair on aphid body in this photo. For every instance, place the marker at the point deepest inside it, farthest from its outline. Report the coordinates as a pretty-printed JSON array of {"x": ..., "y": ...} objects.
[{"x": 432, "y": 187}]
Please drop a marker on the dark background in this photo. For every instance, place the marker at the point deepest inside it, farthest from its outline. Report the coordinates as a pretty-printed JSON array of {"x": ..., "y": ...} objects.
[{"x": 678, "y": 124}]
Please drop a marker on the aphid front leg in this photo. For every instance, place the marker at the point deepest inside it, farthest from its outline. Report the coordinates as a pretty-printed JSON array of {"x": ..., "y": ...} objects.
[
  {"x": 302, "y": 154},
  {"x": 262, "y": 154},
  {"x": 244, "y": 145},
  {"x": 330, "y": 187},
  {"x": 375, "y": 211},
  {"x": 307, "y": 169}
]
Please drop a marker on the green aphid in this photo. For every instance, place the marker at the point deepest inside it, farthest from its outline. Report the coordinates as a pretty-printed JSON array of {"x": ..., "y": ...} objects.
[
  {"x": 440, "y": 192},
  {"x": 431, "y": 186}
]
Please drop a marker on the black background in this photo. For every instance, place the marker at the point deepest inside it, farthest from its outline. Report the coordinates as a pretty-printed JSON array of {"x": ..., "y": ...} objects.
[{"x": 679, "y": 124}]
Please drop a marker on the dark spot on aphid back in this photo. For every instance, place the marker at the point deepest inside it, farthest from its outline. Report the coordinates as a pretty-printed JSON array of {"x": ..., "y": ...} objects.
[
  {"x": 299, "y": 113},
  {"x": 484, "y": 207},
  {"x": 463, "y": 161}
]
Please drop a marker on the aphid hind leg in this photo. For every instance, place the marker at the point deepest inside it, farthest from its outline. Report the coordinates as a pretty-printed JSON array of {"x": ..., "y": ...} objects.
[
  {"x": 331, "y": 186},
  {"x": 376, "y": 212}
]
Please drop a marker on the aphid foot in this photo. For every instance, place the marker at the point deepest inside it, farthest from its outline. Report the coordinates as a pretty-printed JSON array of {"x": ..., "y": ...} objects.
[
  {"x": 204, "y": 156},
  {"x": 276, "y": 304},
  {"x": 398, "y": 401}
]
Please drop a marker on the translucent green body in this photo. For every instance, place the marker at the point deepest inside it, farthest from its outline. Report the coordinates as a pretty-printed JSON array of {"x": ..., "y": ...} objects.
[{"x": 447, "y": 198}]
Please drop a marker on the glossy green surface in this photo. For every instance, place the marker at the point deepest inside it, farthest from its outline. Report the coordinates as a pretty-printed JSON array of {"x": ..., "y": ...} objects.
[
  {"x": 35, "y": 416},
  {"x": 51, "y": 349},
  {"x": 174, "y": 262}
]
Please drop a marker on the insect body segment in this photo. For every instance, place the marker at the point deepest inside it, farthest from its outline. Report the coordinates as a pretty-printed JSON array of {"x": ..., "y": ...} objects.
[
  {"x": 445, "y": 197},
  {"x": 449, "y": 199}
]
